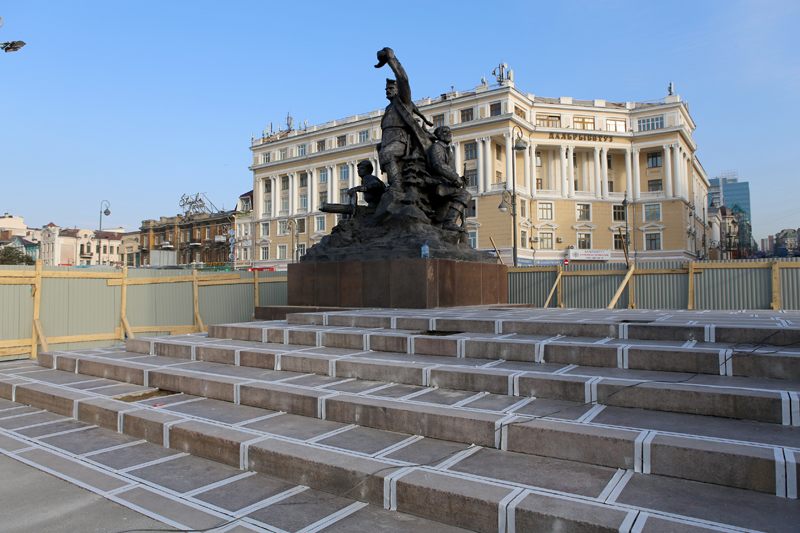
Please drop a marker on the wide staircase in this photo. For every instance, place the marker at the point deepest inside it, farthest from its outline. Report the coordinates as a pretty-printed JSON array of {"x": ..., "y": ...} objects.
[{"x": 484, "y": 419}]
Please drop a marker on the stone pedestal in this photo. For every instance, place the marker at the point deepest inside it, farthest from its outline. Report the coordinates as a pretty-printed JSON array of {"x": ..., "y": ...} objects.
[{"x": 404, "y": 283}]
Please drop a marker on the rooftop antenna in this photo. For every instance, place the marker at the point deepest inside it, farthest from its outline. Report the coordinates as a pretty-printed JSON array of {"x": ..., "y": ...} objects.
[
  {"x": 289, "y": 121},
  {"x": 305, "y": 124},
  {"x": 499, "y": 72},
  {"x": 670, "y": 88},
  {"x": 483, "y": 79}
]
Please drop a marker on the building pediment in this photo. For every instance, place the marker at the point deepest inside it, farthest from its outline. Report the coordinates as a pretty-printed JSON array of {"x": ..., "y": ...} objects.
[
  {"x": 473, "y": 224},
  {"x": 544, "y": 226},
  {"x": 526, "y": 223},
  {"x": 263, "y": 241},
  {"x": 621, "y": 226},
  {"x": 652, "y": 226},
  {"x": 584, "y": 226}
]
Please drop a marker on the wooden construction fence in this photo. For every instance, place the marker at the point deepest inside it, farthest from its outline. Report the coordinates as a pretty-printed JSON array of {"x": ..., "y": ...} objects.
[{"x": 16, "y": 348}]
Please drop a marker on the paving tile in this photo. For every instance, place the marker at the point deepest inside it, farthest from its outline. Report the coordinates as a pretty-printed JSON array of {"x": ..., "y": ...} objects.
[
  {"x": 244, "y": 492},
  {"x": 300, "y": 510},
  {"x": 554, "y": 408},
  {"x": 315, "y": 381},
  {"x": 372, "y": 518},
  {"x": 128, "y": 456},
  {"x": 493, "y": 402},
  {"x": 65, "y": 424},
  {"x": 160, "y": 505},
  {"x": 355, "y": 386},
  {"x": 219, "y": 411},
  {"x": 74, "y": 469},
  {"x": 444, "y": 396},
  {"x": 11, "y": 444},
  {"x": 91, "y": 440},
  {"x": 428, "y": 452},
  {"x": 295, "y": 426},
  {"x": 396, "y": 391},
  {"x": 364, "y": 440},
  {"x": 185, "y": 473},
  {"x": 737, "y": 507}
]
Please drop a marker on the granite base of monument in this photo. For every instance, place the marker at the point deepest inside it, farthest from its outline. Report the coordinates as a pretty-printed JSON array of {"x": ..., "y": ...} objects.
[{"x": 418, "y": 283}]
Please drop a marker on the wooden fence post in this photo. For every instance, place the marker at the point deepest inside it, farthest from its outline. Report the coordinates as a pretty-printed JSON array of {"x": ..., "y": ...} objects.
[
  {"x": 776, "y": 285},
  {"x": 123, "y": 317},
  {"x": 690, "y": 302},
  {"x": 556, "y": 284},
  {"x": 198, "y": 321},
  {"x": 37, "y": 298},
  {"x": 631, "y": 296},
  {"x": 621, "y": 288},
  {"x": 560, "y": 287}
]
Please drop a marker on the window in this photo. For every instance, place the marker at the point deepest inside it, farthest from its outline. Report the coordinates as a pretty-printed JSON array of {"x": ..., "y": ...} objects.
[
  {"x": 651, "y": 123},
  {"x": 145, "y": 241},
  {"x": 619, "y": 242},
  {"x": 539, "y": 184},
  {"x": 495, "y": 109},
  {"x": 268, "y": 208},
  {"x": 304, "y": 201},
  {"x": 265, "y": 229},
  {"x": 363, "y": 136},
  {"x": 285, "y": 183},
  {"x": 652, "y": 241},
  {"x": 538, "y": 159},
  {"x": 523, "y": 237},
  {"x": 523, "y": 208},
  {"x": 438, "y": 121},
  {"x": 584, "y": 241},
  {"x": 583, "y": 123},
  {"x": 473, "y": 239},
  {"x": 285, "y": 204},
  {"x": 344, "y": 198},
  {"x": 608, "y": 161},
  {"x": 584, "y": 211},
  {"x": 520, "y": 112},
  {"x": 323, "y": 197},
  {"x": 498, "y": 177},
  {"x": 245, "y": 253},
  {"x": 610, "y": 186},
  {"x": 265, "y": 157},
  {"x": 470, "y": 151},
  {"x": 282, "y": 154},
  {"x": 545, "y": 241},
  {"x": 105, "y": 249},
  {"x": 545, "y": 211},
  {"x": 303, "y": 179},
  {"x": 472, "y": 208},
  {"x": 264, "y": 253},
  {"x": 323, "y": 175},
  {"x": 652, "y": 212},
  {"x": 548, "y": 121},
  {"x": 301, "y": 149},
  {"x": 268, "y": 186},
  {"x": 466, "y": 115},
  {"x": 341, "y": 141},
  {"x": 654, "y": 160},
  {"x": 618, "y": 213},
  {"x": 498, "y": 152},
  {"x": 613, "y": 124},
  {"x": 472, "y": 177},
  {"x": 320, "y": 146},
  {"x": 301, "y": 249},
  {"x": 320, "y": 223},
  {"x": 300, "y": 223},
  {"x": 81, "y": 249},
  {"x": 283, "y": 227},
  {"x": 344, "y": 172},
  {"x": 208, "y": 232},
  {"x": 654, "y": 185},
  {"x": 281, "y": 251}
]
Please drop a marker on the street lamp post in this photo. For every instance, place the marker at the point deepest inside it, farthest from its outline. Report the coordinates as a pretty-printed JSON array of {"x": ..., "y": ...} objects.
[
  {"x": 519, "y": 146},
  {"x": 107, "y": 212}
]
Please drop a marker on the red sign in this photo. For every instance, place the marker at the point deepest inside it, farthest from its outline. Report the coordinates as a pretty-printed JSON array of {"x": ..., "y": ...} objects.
[{"x": 566, "y": 262}]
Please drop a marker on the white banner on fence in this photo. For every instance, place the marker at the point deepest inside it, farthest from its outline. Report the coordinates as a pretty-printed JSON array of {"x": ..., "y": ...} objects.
[{"x": 589, "y": 255}]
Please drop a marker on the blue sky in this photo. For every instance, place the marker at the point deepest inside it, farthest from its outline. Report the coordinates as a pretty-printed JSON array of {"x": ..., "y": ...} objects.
[{"x": 141, "y": 102}]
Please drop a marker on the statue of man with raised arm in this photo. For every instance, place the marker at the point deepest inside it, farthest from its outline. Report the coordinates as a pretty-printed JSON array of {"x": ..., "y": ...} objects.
[{"x": 400, "y": 132}]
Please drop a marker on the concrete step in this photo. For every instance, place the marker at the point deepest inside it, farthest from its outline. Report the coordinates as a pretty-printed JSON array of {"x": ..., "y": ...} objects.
[
  {"x": 491, "y": 340},
  {"x": 734, "y": 453},
  {"x": 760, "y": 399},
  {"x": 473, "y": 487}
]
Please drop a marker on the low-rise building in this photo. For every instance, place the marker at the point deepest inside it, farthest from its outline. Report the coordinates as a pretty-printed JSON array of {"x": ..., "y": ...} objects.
[
  {"x": 591, "y": 172},
  {"x": 74, "y": 247}
]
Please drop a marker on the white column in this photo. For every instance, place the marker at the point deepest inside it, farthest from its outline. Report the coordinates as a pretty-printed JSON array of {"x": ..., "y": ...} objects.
[
  {"x": 584, "y": 171},
  {"x": 637, "y": 183},
  {"x": 312, "y": 191},
  {"x": 564, "y": 184},
  {"x": 668, "y": 170},
  {"x": 459, "y": 158},
  {"x": 292, "y": 191},
  {"x": 510, "y": 179},
  {"x": 352, "y": 175},
  {"x": 274, "y": 196},
  {"x": 532, "y": 170},
  {"x": 551, "y": 171},
  {"x": 604, "y": 171},
  {"x": 333, "y": 185},
  {"x": 489, "y": 160},
  {"x": 598, "y": 187},
  {"x": 526, "y": 164},
  {"x": 677, "y": 182},
  {"x": 570, "y": 171},
  {"x": 687, "y": 177},
  {"x": 481, "y": 167},
  {"x": 628, "y": 175}
]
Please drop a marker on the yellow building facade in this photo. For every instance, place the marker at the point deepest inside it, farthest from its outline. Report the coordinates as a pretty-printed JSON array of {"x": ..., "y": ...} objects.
[{"x": 592, "y": 175}]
